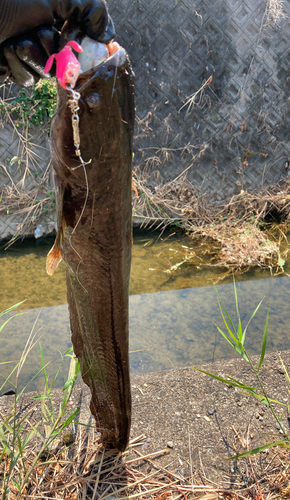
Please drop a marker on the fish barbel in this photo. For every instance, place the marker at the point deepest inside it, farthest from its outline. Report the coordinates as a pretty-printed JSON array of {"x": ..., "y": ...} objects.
[{"x": 95, "y": 234}]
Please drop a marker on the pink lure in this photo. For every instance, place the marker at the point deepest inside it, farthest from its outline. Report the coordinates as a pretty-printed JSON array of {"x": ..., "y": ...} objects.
[{"x": 67, "y": 66}]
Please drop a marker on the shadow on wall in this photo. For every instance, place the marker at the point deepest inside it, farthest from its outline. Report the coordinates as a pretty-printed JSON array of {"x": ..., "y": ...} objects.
[{"x": 233, "y": 136}]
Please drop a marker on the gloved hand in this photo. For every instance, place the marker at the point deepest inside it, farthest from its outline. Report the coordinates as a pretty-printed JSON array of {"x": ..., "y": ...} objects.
[{"x": 28, "y": 36}]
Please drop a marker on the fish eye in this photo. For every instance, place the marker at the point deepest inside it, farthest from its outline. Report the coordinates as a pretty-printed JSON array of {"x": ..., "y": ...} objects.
[{"x": 93, "y": 100}]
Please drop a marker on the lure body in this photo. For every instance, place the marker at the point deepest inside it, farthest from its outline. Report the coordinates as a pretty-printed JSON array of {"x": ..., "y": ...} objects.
[{"x": 67, "y": 66}]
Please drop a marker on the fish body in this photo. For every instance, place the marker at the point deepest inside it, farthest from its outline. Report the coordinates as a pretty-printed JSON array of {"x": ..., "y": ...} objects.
[{"x": 95, "y": 235}]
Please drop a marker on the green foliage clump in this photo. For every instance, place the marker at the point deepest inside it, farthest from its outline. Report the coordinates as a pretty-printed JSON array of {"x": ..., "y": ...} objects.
[{"x": 32, "y": 106}]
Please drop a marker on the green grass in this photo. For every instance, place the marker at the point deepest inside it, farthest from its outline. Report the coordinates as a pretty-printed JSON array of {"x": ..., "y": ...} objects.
[
  {"x": 18, "y": 433},
  {"x": 236, "y": 337}
]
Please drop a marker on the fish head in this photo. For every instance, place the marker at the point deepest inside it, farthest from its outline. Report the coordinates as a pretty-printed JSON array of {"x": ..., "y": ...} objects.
[{"x": 106, "y": 101}]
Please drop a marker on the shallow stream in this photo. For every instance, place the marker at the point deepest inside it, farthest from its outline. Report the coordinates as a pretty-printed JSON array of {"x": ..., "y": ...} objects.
[{"x": 173, "y": 307}]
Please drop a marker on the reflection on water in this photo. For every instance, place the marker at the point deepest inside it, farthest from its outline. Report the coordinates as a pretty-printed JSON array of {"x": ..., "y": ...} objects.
[{"x": 171, "y": 313}]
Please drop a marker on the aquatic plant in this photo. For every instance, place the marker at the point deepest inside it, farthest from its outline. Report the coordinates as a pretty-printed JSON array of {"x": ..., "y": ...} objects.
[{"x": 236, "y": 337}]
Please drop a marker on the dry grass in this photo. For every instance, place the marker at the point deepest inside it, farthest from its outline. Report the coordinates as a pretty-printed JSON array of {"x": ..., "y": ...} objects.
[
  {"x": 274, "y": 11},
  {"x": 88, "y": 471},
  {"x": 25, "y": 190},
  {"x": 243, "y": 247},
  {"x": 30, "y": 206},
  {"x": 237, "y": 226},
  {"x": 96, "y": 473}
]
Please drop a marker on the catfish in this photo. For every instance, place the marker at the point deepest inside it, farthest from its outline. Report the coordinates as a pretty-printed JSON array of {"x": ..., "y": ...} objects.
[{"x": 94, "y": 235}]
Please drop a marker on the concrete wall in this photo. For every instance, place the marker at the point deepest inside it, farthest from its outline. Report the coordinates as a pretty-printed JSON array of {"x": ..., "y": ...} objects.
[
  {"x": 236, "y": 136},
  {"x": 26, "y": 180},
  {"x": 238, "y": 131}
]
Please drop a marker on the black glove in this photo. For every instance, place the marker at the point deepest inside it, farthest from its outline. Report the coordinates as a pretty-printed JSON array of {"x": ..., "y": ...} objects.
[{"x": 28, "y": 36}]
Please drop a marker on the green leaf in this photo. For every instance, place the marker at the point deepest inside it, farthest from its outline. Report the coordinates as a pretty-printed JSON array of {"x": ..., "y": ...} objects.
[
  {"x": 7, "y": 425},
  {"x": 264, "y": 343},
  {"x": 57, "y": 373},
  {"x": 233, "y": 344},
  {"x": 240, "y": 384},
  {"x": 227, "y": 327},
  {"x": 232, "y": 382},
  {"x": 29, "y": 437},
  {"x": 8, "y": 378},
  {"x": 240, "y": 331},
  {"x": 11, "y": 308},
  {"x": 7, "y": 320},
  {"x": 68, "y": 384},
  {"x": 31, "y": 380},
  {"x": 5, "y": 443},
  {"x": 221, "y": 302},
  {"x": 263, "y": 399},
  {"x": 236, "y": 297},
  {"x": 16, "y": 483},
  {"x": 19, "y": 445},
  {"x": 69, "y": 420},
  {"x": 68, "y": 351},
  {"x": 253, "y": 315},
  {"x": 46, "y": 413},
  {"x": 259, "y": 449}
]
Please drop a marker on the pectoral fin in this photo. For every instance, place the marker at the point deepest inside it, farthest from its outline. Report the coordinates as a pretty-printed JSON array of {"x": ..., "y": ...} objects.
[{"x": 54, "y": 257}]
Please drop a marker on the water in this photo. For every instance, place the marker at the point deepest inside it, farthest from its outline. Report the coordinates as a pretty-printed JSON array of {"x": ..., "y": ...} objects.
[{"x": 173, "y": 310}]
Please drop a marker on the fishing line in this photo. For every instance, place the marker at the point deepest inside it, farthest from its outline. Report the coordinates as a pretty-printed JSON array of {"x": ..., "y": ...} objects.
[
  {"x": 87, "y": 193},
  {"x": 115, "y": 76},
  {"x": 73, "y": 101},
  {"x": 77, "y": 274}
]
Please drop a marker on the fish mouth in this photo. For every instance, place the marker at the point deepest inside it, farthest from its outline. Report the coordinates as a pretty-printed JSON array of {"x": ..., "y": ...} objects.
[
  {"x": 96, "y": 54},
  {"x": 115, "y": 62}
]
